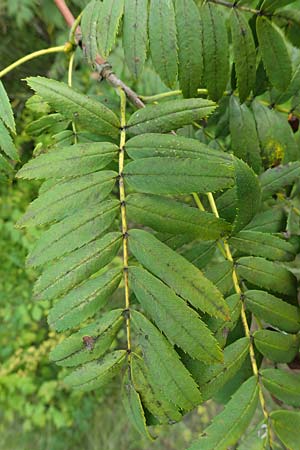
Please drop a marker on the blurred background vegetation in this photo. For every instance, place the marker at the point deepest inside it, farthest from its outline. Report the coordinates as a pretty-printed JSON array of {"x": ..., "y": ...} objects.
[{"x": 36, "y": 411}]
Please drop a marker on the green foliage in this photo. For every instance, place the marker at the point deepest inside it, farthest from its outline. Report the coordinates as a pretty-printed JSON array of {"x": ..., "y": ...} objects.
[{"x": 169, "y": 235}]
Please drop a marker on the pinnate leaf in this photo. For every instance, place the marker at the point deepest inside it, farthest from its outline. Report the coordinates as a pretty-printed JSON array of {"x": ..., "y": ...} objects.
[
  {"x": 230, "y": 424},
  {"x": 179, "y": 274},
  {"x": 180, "y": 323},
  {"x": 164, "y": 365},
  {"x": 96, "y": 374},
  {"x": 169, "y": 116}
]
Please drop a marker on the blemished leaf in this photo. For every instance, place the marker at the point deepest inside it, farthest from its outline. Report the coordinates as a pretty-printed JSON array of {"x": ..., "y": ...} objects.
[
  {"x": 83, "y": 110},
  {"x": 228, "y": 426},
  {"x": 271, "y": 247},
  {"x": 164, "y": 365},
  {"x": 71, "y": 161},
  {"x": 274, "y": 52},
  {"x": 163, "y": 42},
  {"x": 77, "y": 266},
  {"x": 6, "y": 143},
  {"x": 211, "y": 378},
  {"x": 89, "y": 26},
  {"x": 244, "y": 53},
  {"x": 180, "y": 323},
  {"x": 185, "y": 279},
  {"x": 169, "y": 216},
  {"x": 135, "y": 35},
  {"x": 277, "y": 346},
  {"x": 6, "y": 112},
  {"x": 73, "y": 232},
  {"x": 275, "y": 179},
  {"x": 162, "y": 175},
  {"x": 215, "y": 50},
  {"x": 84, "y": 301},
  {"x": 166, "y": 145},
  {"x": 267, "y": 275},
  {"x": 273, "y": 310},
  {"x": 286, "y": 425},
  {"x": 189, "y": 41},
  {"x": 90, "y": 342},
  {"x": 66, "y": 197},
  {"x": 152, "y": 398},
  {"x": 169, "y": 116},
  {"x": 133, "y": 406},
  {"x": 96, "y": 374},
  {"x": 284, "y": 385},
  {"x": 244, "y": 139},
  {"x": 110, "y": 14},
  {"x": 277, "y": 140}
]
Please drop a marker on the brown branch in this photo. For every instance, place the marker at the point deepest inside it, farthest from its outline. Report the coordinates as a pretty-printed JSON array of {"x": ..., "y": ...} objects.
[
  {"x": 65, "y": 12},
  {"x": 103, "y": 67}
]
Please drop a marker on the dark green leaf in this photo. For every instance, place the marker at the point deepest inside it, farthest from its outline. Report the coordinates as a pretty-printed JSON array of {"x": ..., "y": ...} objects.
[
  {"x": 272, "y": 5},
  {"x": 178, "y": 175},
  {"x": 152, "y": 398},
  {"x": 276, "y": 137},
  {"x": 73, "y": 232},
  {"x": 6, "y": 112},
  {"x": 284, "y": 385},
  {"x": 244, "y": 139},
  {"x": 89, "y": 25},
  {"x": 213, "y": 377},
  {"x": 163, "y": 42},
  {"x": 189, "y": 39},
  {"x": 248, "y": 195},
  {"x": 273, "y": 310},
  {"x": 273, "y": 180},
  {"x": 96, "y": 374},
  {"x": 220, "y": 274},
  {"x": 66, "y": 197},
  {"x": 83, "y": 110},
  {"x": 271, "y": 247},
  {"x": 199, "y": 253},
  {"x": 274, "y": 53},
  {"x": 230, "y": 424},
  {"x": 180, "y": 323},
  {"x": 216, "y": 51},
  {"x": 84, "y": 301},
  {"x": 6, "y": 142},
  {"x": 244, "y": 53},
  {"x": 77, "y": 266},
  {"x": 133, "y": 407},
  {"x": 135, "y": 34},
  {"x": 170, "y": 216},
  {"x": 71, "y": 161},
  {"x": 187, "y": 281},
  {"x": 74, "y": 350},
  {"x": 167, "y": 145},
  {"x": 169, "y": 116},
  {"x": 286, "y": 425},
  {"x": 276, "y": 346},
  {"x": 267, "y": 274},
  {"x": 164, "y": 365},
  {"x": 109, "y": 18}
]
